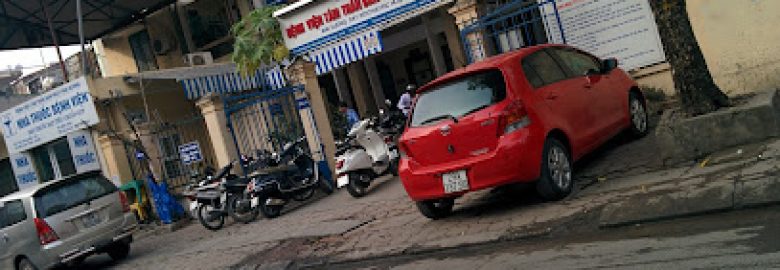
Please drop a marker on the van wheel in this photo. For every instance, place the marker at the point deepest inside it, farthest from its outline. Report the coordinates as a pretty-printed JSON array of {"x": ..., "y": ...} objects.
[
  {"x": 25, "y": 264},
  {"x": 119, "y": 251},
  {"x": 555, "y": 182},
  {"x": 638, "y": 112},
  {"x": 436, "y": 209}
]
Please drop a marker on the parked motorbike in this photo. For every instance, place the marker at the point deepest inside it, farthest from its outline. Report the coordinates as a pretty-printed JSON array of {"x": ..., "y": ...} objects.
[
  {"x": 367, "y": 154},
  {"x": 291, "y": 174},
  {"x": 220, "y": 195}
]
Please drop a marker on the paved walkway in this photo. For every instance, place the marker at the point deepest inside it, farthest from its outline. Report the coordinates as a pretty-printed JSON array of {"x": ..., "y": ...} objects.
[{"x": 385, "y": 222}]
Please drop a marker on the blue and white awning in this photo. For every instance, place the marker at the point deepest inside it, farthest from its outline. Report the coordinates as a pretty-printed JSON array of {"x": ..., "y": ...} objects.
[
  {"x": 232, "y": 82},
  {"x": 345, "y": 52}
]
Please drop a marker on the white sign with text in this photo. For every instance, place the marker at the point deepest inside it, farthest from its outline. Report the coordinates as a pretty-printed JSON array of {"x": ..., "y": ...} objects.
[
  {"x": 49, "y": 116},
  {"x": 623, "y": 29},
  {"x": 82, "y": 148},
  {"x": 324, "y": 22},
  {"x": 23, "y": 168}
]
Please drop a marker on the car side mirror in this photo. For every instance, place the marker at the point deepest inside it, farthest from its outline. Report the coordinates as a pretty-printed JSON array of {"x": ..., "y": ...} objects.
[{"x": 608, "y": 65}]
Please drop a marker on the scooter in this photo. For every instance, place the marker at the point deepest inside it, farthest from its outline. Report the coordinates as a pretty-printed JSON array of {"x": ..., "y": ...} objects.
[
  {"x": 291, "y": 174},
  {"x": 367, "y": 155},
  {"x": 221, "y": 195}
]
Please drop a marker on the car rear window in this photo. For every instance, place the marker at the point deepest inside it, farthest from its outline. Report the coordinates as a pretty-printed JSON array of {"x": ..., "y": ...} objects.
[
  {"x": 70, "y": 193},
  {"x": 460, "y": 97},
  {"x": 11, "y": 212}
]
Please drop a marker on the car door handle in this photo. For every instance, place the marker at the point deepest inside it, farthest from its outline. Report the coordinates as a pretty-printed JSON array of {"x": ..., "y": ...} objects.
[
  {"x": 5, "y": 238},
  {"x": 552, "y": 96}
]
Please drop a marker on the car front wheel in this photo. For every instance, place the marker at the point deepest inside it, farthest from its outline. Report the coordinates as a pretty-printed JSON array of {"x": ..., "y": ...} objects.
[
  {"x": 638, "y": 113},
  {"x": 25, "y": 264},
  {"x": 555, "y": 182}
]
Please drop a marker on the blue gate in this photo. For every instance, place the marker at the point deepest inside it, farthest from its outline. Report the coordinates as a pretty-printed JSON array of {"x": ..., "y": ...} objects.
[
  {"x": 510, "y": 25},
  {"x": 264, "y": 120}
]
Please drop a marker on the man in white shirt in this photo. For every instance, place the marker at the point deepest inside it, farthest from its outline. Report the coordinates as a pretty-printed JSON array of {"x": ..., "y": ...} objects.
[{"x": 405, "y": 102}]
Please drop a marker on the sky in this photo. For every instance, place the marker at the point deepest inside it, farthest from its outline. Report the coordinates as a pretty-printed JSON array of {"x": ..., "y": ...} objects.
[{"x": 31, "y": 59}]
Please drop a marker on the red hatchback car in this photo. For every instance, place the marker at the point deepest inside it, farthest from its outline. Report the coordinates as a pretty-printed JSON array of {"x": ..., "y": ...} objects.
[{"x": 522, "y": 116}]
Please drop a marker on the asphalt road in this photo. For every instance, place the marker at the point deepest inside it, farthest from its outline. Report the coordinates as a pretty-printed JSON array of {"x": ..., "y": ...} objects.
[{"x": 746, "y": 239}]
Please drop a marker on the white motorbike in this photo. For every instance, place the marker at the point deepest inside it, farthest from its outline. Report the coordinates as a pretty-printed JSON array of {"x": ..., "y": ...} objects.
[{"x": 366, "y": 155}]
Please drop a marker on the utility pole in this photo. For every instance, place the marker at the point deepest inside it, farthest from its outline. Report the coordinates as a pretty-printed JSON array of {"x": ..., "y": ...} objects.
[
  {"x": 55, "y": 41},
  {"x": 84, "y": 67}
]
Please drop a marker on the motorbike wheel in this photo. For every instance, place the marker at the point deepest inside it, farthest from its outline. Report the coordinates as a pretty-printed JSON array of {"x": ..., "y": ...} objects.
[
  {"x": 326, "y": 185},
  {"x": 211, "y": 223},
  {"x": 394, "y": 167},
  {"x": 357, "y": 186},
  {"x": 304, "y": 195},
  {"x": 269, "y": 211},
  {"x": 243, "y": 214}
]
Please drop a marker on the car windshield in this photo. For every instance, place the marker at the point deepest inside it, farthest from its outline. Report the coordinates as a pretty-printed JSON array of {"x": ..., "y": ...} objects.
[
  {"x": 460, "y": 97},
  {"x": 70, "y": 193}
]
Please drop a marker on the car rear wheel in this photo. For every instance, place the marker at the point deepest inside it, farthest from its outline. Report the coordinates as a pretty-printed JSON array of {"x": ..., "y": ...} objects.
[
  {"x": 638, "y": 112},
  {"x": 436, "y": 209},
  {"x": 119, "y": 251},
  {"x": 25, "y": 264},
  {"x": 555, "y": 182}
]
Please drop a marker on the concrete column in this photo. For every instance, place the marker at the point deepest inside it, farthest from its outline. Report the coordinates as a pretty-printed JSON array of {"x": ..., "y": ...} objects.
[
  {"x": 476, "y": 44},
  {"x": 115, "y": 157},
  {"x": 375, "y": 81},
  {"x": 454, "y": 42},
  {"x": 213, "y": 112},
  {"x": 360, "y": 85},
  {"x": 304, "y": 73},
  {"x": 342, "y": 86},
  {"x": 434, "y": 47},
  {"x": 149, "y": 141}
]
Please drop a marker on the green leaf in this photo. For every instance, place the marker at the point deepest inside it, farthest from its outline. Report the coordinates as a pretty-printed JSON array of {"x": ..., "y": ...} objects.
[{"x": 258, "y": 40}]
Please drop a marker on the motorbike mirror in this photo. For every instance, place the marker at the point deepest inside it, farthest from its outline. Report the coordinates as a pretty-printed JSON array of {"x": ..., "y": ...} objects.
[{"x": 388, "y": 102}]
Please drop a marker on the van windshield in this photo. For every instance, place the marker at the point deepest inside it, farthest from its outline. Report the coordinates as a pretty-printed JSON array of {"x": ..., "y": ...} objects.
[
  {"x": 70, "y": 193},
  {"x": 460, "y": 97}
]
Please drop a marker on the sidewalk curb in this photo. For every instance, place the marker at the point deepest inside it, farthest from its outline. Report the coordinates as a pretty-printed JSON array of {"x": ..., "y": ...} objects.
[
  {"x": 423, "y": 250},
  {"x": 721, "y": 196}
]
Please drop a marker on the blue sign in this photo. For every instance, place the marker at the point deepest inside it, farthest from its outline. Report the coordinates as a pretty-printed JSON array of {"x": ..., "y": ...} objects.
[
  {"x": 139, "y": 155},
  {"x": 190, "y": 153},
  {"x": 23, "y": 170}
]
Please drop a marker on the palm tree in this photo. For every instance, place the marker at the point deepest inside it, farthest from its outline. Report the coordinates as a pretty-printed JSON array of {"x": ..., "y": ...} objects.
[
  {"x": 258, "y": 40},
  {"x": 693, "y": 82}
]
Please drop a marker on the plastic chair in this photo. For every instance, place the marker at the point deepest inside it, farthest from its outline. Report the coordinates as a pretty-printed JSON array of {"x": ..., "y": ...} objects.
[{"x": 135, "y": 189}]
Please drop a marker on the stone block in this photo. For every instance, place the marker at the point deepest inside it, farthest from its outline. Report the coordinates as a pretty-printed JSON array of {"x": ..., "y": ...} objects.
[
  {"x": 696, "y": 137},
  {"x": 661, "y": 206}
]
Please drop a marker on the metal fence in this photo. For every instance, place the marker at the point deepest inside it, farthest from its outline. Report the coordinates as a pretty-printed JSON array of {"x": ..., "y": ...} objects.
[
  {"x": 510, "y": 25},
  {"x": 264, "y": 120}
]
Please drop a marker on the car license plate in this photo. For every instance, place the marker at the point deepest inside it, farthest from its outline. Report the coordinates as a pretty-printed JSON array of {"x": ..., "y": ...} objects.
[
  {"x": 455, "y": 181},
  {"x": 393, "y": 154},
  {"x": 91, "y": 219},
  {"x": 342, "y": 181}
]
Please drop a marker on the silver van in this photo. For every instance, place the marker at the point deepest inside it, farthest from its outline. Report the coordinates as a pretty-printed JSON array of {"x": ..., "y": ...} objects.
[{"x": 64, "y": 221}]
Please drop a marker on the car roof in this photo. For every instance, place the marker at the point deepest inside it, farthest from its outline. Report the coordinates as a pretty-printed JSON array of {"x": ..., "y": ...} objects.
[
  {"x": 488, "y": 63},
  {"x": 29, "y": 192}
]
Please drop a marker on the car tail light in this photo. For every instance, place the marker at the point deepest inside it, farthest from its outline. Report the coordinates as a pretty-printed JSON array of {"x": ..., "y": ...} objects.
[
  {"x": 514, "y": 117},
  {"x": 123, "y": 200},
  {"x": 340, "y": 164},
  {"x": 45, "y": 234}
]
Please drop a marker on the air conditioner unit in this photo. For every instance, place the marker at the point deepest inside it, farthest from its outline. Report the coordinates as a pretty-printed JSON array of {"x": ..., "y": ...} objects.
[{"x": 199, "y": 59}]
